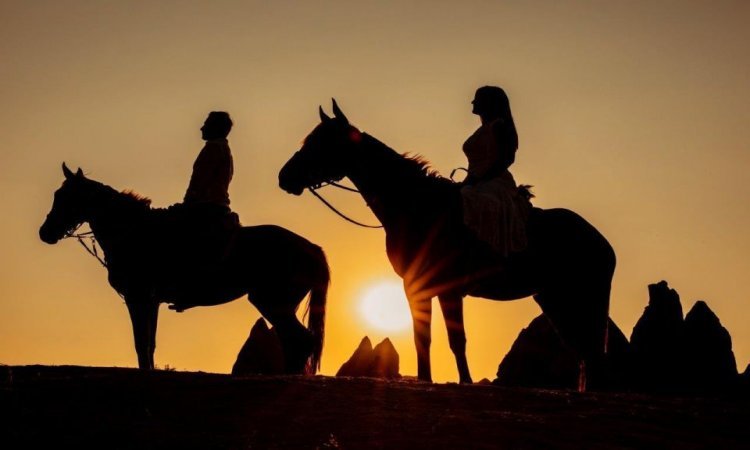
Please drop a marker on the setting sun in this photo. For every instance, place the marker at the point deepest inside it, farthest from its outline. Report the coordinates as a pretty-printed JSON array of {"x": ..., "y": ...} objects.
[{"x": 383, "y": 306}]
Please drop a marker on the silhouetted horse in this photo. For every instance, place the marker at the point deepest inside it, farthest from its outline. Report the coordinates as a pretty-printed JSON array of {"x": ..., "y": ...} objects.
[
  {"x": 567, "y": 267},
  {"x": 152, "y": 258}
]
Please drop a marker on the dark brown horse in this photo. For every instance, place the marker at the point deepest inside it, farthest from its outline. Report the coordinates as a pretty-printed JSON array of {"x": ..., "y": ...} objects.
[
  {"x": 567, "y": 267},
  {"x": 152, "y": 257}
]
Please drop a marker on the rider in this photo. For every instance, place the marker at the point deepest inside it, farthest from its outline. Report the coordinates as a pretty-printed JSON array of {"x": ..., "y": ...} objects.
[
  {"x": 492, "y": 205},
  {"x": 213, "y": 169},
  {"x": 206, "y": 202}
]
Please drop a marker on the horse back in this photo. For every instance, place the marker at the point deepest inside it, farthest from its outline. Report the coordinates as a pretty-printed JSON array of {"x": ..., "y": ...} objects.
[
  {"x": 270, "y": 247},
  {"x": 560, "y": 235}
]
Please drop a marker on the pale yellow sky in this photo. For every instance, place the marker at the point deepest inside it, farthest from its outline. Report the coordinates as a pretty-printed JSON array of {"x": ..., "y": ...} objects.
[{"x": 634, "y": 114}]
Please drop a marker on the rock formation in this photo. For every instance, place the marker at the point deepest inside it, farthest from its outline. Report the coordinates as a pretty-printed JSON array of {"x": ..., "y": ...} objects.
[
  {"x": 657, "y": 342},
  {"x": 261, "y": 354},
  {"x": 745, "y": 380},
  {"x": 709, "y": 361},
  {"x": 672, "y": 354},
  {"x": 380, "y": 362},
  {"x": 358, "y": 364},
  {"x": 666, "y": 353},
  {"x": 539, "y": 358},
  {"x": 385, "y": 360}
]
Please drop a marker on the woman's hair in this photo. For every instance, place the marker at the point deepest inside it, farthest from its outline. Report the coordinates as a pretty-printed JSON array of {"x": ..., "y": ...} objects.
[{"x": 496, "y": 104}]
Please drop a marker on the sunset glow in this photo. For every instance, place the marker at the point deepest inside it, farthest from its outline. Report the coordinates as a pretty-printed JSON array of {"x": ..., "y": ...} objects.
[
  {"x": 633, "y": 114},
  {"x": 383, "y": 306}
]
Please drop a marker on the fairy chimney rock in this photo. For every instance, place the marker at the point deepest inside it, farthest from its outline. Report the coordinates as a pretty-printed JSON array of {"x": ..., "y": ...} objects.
[
  {"x": 745, "y": 379},
  {"x": 358, "y": 364},
  {"x": 539, "y": 358},
  {"x": 385, "y": 360},
  {"x": 379, "y": 362},
  {"x": 710, "y": 362},
  {"x": 261, "y": 354},
  {"x": 657, "y": 341}
]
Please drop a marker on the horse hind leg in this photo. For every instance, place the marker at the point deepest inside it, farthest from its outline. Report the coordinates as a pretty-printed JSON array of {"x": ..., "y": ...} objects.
[
  {"x": 296, "y": 341},
  {"x": 580, "y": 316}
]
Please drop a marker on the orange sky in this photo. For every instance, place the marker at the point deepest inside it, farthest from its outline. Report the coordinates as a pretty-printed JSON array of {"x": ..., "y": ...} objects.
[{"x": 633, "y": 114}]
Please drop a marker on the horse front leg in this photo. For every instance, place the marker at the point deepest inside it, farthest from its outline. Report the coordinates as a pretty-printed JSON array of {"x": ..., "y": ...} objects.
[
  {"x": 453, "y": 312},
  {"x": 144, "y": 315},
  {"x": 421, "y": 315}
]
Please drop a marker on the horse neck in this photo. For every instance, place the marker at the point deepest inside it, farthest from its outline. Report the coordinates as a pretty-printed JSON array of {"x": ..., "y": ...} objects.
[
  {"x": 383, "y": 176},
  {"x": 112, "y": 213}
]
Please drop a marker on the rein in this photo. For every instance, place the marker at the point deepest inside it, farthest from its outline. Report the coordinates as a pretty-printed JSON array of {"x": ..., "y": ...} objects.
[
  {"x": 341, "y": 186},
  {"x": 314, "y": 192},
  {"x": 453, "y": 172},
  {"x": 82, "y": 238}
]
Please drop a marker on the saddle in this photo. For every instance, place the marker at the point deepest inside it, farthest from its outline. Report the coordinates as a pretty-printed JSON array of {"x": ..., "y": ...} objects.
[{"x": 198, "y": 235}]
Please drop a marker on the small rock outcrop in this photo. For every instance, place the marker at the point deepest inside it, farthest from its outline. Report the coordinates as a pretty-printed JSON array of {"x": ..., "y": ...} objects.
[
  {"x": 359, "y": 363},
  {"x": 261, "y": 354},
  {"x": 366, "y": 361},
  {"x": 657, "y": 342},
  {"x": 539, "y": 358},
  {"x": 745, "y": 380},
  {"x": 709, "y": 360},
  {"x": 385, "y": 360},
  {"x": 667, "y": 353}
]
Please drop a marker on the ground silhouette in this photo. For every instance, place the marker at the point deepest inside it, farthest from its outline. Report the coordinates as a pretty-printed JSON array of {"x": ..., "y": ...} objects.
[{"x": 84, "y": 407}]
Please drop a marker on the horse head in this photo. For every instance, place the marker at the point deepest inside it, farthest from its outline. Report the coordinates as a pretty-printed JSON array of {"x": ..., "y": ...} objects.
[
  {"x": 324, "y": 155},
  {"x": 69, "y": 208}
]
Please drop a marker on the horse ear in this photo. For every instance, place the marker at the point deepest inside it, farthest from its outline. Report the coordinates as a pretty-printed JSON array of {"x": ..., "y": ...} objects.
[
  {"x": 68, "y": 174},
  {"x": 337, "y": 111},
  {"x": 323, "y": 116},
  {"x": 79, "y": 173}
]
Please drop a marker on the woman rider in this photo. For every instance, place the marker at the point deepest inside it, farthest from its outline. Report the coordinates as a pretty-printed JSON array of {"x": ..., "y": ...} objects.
[{"x": 492, "y": 206}]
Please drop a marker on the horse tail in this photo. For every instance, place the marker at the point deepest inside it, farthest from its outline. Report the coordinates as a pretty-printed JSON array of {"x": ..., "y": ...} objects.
[{"x": 316, "y": 308}]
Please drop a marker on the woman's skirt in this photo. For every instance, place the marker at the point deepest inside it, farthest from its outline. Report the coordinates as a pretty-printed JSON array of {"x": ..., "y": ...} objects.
[{"x": 496, "y": 213}]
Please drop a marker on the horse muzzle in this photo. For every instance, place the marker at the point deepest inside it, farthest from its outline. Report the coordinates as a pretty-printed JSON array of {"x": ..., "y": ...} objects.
[
  {"x": 293, "y": 189},
  {"x": 290, "y": 183},
  {"x": 46, "y": 235}
]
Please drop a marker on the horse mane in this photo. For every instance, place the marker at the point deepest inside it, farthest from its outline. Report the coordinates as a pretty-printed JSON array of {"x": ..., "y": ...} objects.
[
  {"x": 418, "y": 166},
  {"x": 422, "y": 165},
  {"x": 415, "y": 165},
  {"x": 137, "y": 198}
]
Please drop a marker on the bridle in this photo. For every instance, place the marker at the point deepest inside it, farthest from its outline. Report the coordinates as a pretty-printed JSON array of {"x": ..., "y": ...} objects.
[
  {"x": 90, "y": 247},
  {"x": 82, "y": 238},
  {"x": 313, "y": 189}
]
